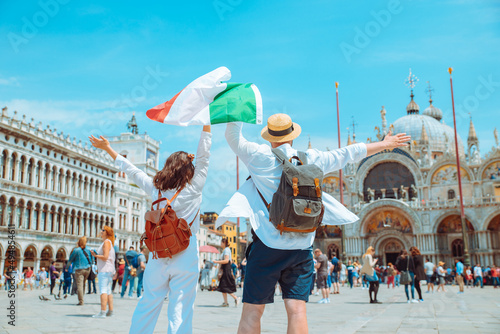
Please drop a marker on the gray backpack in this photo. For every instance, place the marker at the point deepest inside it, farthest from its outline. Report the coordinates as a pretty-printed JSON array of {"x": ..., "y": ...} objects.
[{"x": 297, "y": 205}]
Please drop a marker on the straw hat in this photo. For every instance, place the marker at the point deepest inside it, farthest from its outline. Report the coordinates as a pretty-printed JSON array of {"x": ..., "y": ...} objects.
[
  {"x": 280, "y": 128},
  {"x": 441, "y": 263}
]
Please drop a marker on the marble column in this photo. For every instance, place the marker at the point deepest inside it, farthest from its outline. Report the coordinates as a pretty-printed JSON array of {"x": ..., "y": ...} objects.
[
  {"x": 37, "y": 265},
  {"x": 20, "y": 264}
]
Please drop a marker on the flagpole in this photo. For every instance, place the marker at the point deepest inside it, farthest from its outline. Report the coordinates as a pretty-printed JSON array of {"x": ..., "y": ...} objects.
[
  {"x": 238, "y": 219},
  {"x": 341, "y": 183},
  {"x": 462, "y": 214}
]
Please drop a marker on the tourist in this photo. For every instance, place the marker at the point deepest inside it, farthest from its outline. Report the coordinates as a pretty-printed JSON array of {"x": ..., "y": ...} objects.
[
  {"x": 129, "y": 275},
  {"x": 105, "y": 256},
  {"x": 243, "y": 268},
  {"x": 390, "y": 275},
  {"x": 28, "y": 278},
  {"x": 441, "y": 274},
  {"x": 322, "y": 275},
  {"x": 43, "y": 278},
  {"x": 176, "y": 277},
  {"x": 67, "y": 271},
  {"x": 468, "y": 277},
  {"x": 335, "y": 273},
  {"x": 459, "y": 276},
  {"x": 82, "y": 261},
  {"x": 227, "y": 281},
  {"x": 205, "y": 274},
  {"x": 405, "y": 263},
  {"x": 120, "y": 273},
  {"x": 141, "y": 260},
  {"x": 478, "y": 275},
  {"x": 91, "y": 282},
  {"x": 274, "y": 254},
  {"x": 343, "y": 272},
  {"x": 430, "y": 273},
  {"x": 53, "y": 274},
  {"x": 418, "y": 264},
  {"x": 313, "y": 281},
  {"x": 350, "y": 269},
  {"x": 370, "y": 274}
]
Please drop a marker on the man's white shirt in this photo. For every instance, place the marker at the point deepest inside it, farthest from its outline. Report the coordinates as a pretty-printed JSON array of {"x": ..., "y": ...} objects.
[{"x": 266, "y": 171}]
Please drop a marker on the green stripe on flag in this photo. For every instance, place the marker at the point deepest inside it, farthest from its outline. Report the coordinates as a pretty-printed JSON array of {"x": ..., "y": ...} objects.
[{"x": 235, "y": 104}]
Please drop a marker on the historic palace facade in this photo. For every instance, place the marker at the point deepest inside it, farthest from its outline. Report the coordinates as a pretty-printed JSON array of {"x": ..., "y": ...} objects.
[
  {"x": 408, "y": 197},
  {"x": 54, "y": 189}
]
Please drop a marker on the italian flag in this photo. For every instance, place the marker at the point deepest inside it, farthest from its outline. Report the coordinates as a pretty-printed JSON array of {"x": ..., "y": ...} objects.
[{"x": 208, "y": 100}]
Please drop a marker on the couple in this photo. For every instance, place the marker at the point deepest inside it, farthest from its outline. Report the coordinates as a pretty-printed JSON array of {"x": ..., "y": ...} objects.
[{"x": 271, "y": 257}]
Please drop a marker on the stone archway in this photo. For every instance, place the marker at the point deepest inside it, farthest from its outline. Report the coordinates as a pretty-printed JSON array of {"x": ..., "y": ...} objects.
[
  {"x": 388, "y": 248},
  {"x": 46, "y": 257},
  {"x": 30, "y": 257}
]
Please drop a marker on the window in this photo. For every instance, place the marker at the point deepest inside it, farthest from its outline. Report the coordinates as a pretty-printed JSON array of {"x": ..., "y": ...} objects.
[
  {"x": 451, "y": 194},
  {"x": 457, "y": 248},
  {"x": 3, "y": 162},
  {"x": 30, "y": 172},
  {"x": 12, "y": 168}
]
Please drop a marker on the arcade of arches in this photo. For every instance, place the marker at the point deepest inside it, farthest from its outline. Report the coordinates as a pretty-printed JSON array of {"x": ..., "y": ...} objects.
[{"x": 390, "y": 229}]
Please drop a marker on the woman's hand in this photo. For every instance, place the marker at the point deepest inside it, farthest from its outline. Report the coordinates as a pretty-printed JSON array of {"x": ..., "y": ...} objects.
[
  {"x": 206, "y": 128},
  {"x": 93, "y": 253},
  {"x": 399, "y": 140},
  {"x": 103, "y": 144}
]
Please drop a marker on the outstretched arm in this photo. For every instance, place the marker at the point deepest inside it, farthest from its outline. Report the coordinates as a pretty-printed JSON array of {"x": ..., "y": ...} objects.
[
  {"x": 390, "y": 142},
  {"x": 103, "y": 144}
]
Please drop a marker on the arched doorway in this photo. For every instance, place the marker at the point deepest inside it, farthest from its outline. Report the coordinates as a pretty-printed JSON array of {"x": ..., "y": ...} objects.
[
  {"x": 29, "y": 257},
  {"x": 333, "y": 250},
  {"x": 46, "y": 257},
  {"x": 449, "y": 238},
  {"x": 494, "y": 229},
  {"x": 389, "y": 250},
  {"x": 12, "y": 257},
  {"x": 60, "y": 258},
  {"x": 386, "y": 180}
]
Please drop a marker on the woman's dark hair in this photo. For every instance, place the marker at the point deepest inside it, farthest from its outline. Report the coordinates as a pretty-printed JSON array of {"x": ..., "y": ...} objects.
[
  {"x": 177, "y": 172},
  {"x": 414, "y": 251},
  {"x": 225, "y": 241},
  {"x": 403, "y": 253}
]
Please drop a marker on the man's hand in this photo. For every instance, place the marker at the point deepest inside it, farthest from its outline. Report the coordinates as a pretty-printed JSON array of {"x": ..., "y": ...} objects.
[
  {"x": 399, "y": 140},
  {"x": 100, "y": 142}
]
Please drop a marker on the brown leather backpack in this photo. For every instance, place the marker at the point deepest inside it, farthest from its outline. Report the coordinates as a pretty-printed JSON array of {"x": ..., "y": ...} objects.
[{"x": 166, "y": 234}]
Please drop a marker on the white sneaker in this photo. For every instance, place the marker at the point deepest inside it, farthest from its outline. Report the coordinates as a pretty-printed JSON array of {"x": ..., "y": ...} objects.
[
  {"x": 322, "y": 301},
  {"x": 101, "y": 314},
  {"x": 414, "y": 301},
  {"x": 328, "y": 300},
  {"x": 408, "y": 301},
  {"x": 316, "y": 294}
]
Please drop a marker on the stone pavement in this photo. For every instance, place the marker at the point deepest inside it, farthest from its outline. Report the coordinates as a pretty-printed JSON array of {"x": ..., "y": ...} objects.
[{"x": 476, "y": 311}]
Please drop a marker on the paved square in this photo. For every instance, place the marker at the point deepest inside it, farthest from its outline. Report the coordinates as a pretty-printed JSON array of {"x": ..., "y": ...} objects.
[{"x": 476, "y": 311}]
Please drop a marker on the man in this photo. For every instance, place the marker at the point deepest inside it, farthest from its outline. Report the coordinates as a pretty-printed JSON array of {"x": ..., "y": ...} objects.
[
  {"x": 459, "y": 276},
  {"x": 322, "y": 275},
  {"x": 140, "y": 271},
  {"x": 334, "y": 274},
  {"x": 81, "y": 259},
  {"x": 429, "y": 272},
  {"x": 283, "y": 257},
  {"x": 129, "y": 255},
  {"x": 494, "y": 276},
  {"x": 53, "y": 275},
  {"x": 205, "y": 274},
  {"x": 478, "y": 275},
  {"x": 43, "y": 278},
  {"x": 28, "y": 278}
]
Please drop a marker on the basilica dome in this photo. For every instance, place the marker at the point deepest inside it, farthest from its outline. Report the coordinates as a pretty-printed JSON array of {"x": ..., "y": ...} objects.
[{"x": 440, "y": 135}]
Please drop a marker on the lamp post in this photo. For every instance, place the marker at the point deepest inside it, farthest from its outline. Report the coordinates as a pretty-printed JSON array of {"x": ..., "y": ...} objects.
[
  {"x": 462, "y": 214},
  {"x": 341, "y": 183},
  {"x": 237, "y": 219}
]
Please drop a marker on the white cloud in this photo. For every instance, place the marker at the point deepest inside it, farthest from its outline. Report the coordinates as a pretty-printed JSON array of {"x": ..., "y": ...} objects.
[{"x": 12, "y": 81}]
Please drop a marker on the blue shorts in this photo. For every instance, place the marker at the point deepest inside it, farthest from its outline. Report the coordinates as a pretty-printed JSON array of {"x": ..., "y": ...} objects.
[
  {"x": 335, "y": 277},
  {"x": 292, "y": 269}
]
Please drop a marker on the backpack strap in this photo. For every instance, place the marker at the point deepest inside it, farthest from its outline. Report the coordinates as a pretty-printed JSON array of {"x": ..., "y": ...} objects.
[
  {"x": 282, "y": 228},
  {"x": 280, "y": 155},
  {"x": 268, "y": 205},
  {"x": 190, "y": 224},
  {"x": 161, "y": 199},
  {"x": 302, "y": 157}
]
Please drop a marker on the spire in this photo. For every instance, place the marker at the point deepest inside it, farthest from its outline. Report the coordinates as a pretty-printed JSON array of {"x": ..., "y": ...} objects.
[
  {"x": 424, "y": 140},
  {"x": 412, "y": 107},
  {"x": 309, "y": 146},
  {"x": 349, "y": 142},
  {"x": 132, "y": 125},
  {"x": 472, "y": 132},
  {"x": 431, "y": 110},
  {"x": 384, "y": 121}
]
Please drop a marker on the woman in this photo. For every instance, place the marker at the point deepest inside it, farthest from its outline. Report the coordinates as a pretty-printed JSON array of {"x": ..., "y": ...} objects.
[
  {"x": 67, "y": 271},
  {"x": 390, "y": 275},
  {"x": 176, "y": 276},
  {"x": 343, "y": 273},
  {"x": 105, "y": 271},
  {"x": 404, "y": 262},
  {"x": 441, "y": 273},
  {"x": 370, "y": 275},
  {"x": 120, "y": 272},
  {"x": 418, "y": 262},
  {"x": 227, "y": 283}
]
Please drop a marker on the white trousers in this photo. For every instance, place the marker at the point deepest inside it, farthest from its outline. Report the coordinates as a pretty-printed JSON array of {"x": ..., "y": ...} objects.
[{"x": 176, "y": 277}]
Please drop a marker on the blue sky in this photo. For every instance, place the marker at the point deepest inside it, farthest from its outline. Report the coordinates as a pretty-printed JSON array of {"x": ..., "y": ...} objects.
[{"x": 81, "y": 66}]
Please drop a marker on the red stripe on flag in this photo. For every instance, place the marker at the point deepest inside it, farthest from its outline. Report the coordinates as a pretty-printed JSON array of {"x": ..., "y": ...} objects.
[{"x": 160, "y": 112}]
